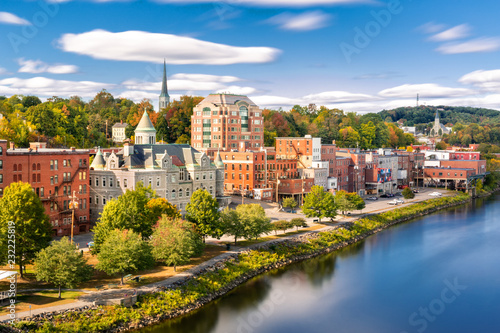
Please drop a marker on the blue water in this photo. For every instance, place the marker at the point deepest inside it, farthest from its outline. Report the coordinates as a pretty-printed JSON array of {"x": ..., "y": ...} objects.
[{"x": 440, "y": 273}]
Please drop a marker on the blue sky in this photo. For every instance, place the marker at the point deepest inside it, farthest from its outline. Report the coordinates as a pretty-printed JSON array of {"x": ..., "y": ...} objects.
[{"x": 356, "y": 55}]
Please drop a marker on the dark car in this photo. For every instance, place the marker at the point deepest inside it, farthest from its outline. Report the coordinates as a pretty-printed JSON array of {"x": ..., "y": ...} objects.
[
  {"x": 399, "y": 194},
  {"x": 384, "y": 196},
  {"x": 415, "y": 191},
  {"x": 372, "y": 198},
  {"x": 390, "y": 195}
]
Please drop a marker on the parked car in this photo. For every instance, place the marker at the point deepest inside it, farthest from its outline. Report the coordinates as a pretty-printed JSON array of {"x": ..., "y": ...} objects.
[
  {"x": 402, "y": 187},
  {"x": 390, "y": 195},
  {"x": 415, "y": 191},
  {"x": 393, "y": 202},
  {"x": 399, "y": 194},
  {"x": 435, "y": 194},
  {"x": 384, "y": 196},
  {"x": 90, "y": 244},
  {"x": 401, "y": 201},
  {"x": 372, "y": 198}
]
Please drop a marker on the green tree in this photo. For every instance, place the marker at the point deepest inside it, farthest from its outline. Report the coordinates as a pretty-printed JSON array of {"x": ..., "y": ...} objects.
[
  {"x": 319, "y": 203},
  {"x": 343, "y": 202},
  {"x": 32, "y": 228},
  {"x": 289, "y": 202},
  {"x": 368, "y": 134},
  {"x": 203, "y": 210},
  {"x": 128, "y": 211},
  {"x": 233, "y": 225},
  {"x": 62, "y": 264},
  {"x": 298, "y": 222},
  {"x": 124, "y": 251},
  {"x": 282, "y": 225},
  {"x": 408, "y": 193},
  {"x": 173, "y": 241},
  {"x": 479, "y": 186},
  {"x": 357, "y": 201},
  {"x": 255, "y": 220}
]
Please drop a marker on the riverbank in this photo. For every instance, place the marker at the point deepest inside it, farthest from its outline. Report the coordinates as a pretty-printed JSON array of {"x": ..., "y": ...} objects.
[{"x": 224, "y": 276}]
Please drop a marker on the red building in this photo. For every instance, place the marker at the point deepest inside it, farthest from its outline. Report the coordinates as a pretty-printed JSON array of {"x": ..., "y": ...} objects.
[
  {"x": 465, "y": 155},
  {"x": 478, "y": 166},
  {"x": 54, "y": 175}
]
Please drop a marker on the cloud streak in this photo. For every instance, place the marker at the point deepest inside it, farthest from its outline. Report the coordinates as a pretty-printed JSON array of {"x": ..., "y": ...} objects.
[
  {"x": 458, "y": 32},
  {"x": 9, "y": 18},
  {"x": 154, "y": 47},
  {"x": 483, "y": 44},
  {"x": 38, "y": 66},
  {"x": 302, "y": 22}
]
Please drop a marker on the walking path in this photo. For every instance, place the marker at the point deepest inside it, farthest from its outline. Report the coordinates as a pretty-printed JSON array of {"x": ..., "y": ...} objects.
[{"x": 271, "y": 210}]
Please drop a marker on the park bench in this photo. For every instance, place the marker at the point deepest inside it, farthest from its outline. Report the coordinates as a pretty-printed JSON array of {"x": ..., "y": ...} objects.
[{"x": 127, "y": 277}]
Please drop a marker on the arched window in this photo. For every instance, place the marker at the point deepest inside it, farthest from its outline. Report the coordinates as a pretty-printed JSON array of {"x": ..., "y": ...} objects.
[
  {"x": 33, "y": 167},
  {"x": 38, "y": 167},
  {"x": 180, "y": 193},
  {"x": 211, "y": 190},
  {"x": 187, "y": 192},
  {"x": 173, "y": 194},
  {"x": 33, "y": 178},
  {"x": 15, "y": 167},
  {"x": 1, "y": 150},
  {"x": 19, "y": 167}
]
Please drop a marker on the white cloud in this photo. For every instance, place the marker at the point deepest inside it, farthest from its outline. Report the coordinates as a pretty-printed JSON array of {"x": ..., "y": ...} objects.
[
  {"x": 431, "y": 27},
  {"x": 3, "y": 71},
  {"x": 458, "y": 32},
  {"x": 328, "y": 97},
  {"x": 45, "y": 87},
  {"x": 427, "y": 90},
  {"x": 301, "y": 22},
  {"x": 9, "y": 18},
  {"x": 154, "y": 47},
  {"x": 204, "y": 77},
  {"x": 488, "y": 80},
  {"x": 277, "y": 3},
  {"x": 237, "y": 90},
  {"x": 483, "y": 44},
  {"x": 38, "y": 66},
  {"x": 275, "y": 101}
]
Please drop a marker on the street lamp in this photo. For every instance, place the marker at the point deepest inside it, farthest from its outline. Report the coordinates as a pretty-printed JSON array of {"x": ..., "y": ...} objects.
[{"x": 73, "y": 204}]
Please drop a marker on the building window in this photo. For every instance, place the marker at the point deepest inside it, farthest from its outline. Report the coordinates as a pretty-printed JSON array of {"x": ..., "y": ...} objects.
[
  {"x": 55, "y": 165},
  {"x": 56, "y": 179},
  {"x": 125, "y": 182},
  {"x": 103, "y": 200},
  {"x": 51, "y": 180},
  {"x": 150, "y": 181},
  {"x": 51, "y": 164},
  {"x": 157, "y": 181},
  {"x": 103, "y": 181},
  {"x": 110, "y": 181},
  {"x": 180, "y": 193},
  {"x": 96, "y": 181},
  {"x": 187, "y": 192},
  {"x": 96, "y": 199},
  {"x": 173, "y": 194}
]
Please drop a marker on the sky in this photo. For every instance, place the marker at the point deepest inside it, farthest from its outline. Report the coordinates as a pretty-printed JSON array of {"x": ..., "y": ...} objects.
[{"x": 356, "y": 55}]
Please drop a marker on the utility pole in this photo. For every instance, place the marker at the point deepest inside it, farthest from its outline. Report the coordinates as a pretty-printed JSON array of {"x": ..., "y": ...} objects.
[{"x": 73, "y": 204}]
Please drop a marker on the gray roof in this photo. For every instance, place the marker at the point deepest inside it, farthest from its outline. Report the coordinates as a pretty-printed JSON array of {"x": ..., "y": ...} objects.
[
  {"x": 98, "y": 163},
  {"x": 218, "y": 160},
  {"x": 146, "y": 156},
  {"x": 120, "y": 125},
  {"x": 224, "y": 99}
]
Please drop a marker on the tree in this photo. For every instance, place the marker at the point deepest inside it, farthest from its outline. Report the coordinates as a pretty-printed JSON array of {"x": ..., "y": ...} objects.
[
  {"x": 160, "y": 206},
  {"x": 298, "y": 222},
  {"x": 62, "y": 265},
  {"x": 479, "y": 186},
  {"x": 356, "y": 200},
  {"x": 124, "y": 251},
  {"x": 255, "y": 220},
  {"x": 289, "y": 202},
  {"x": 174, "y": 241},
  {"x": 32, "y": 228},
  {"x": 128, "y": 211},
  {"x": 282, "y": 225},
  {"x": 203, "y": 210},
  {"x": 319, "y": 203},
  {"x": 233, "y": 225},
  {"x": 343, "y": 202},
  {"x": 408, "y": 193}
]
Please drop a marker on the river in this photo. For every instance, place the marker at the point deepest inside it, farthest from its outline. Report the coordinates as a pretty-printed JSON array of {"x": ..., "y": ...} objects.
[{"x": 439, "y": 273}]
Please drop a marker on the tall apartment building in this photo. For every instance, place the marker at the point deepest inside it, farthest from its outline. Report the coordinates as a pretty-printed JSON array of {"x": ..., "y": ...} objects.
[
  {"x": 54, "y": 175},
  {"x": 306, "y": 149},
  {"x": 226, "y": 121}
]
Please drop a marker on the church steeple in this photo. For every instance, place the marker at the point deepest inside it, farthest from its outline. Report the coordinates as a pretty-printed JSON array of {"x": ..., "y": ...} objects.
[
  {"x": 164, "y": 97},
  {"x": 437, "y": 115}
]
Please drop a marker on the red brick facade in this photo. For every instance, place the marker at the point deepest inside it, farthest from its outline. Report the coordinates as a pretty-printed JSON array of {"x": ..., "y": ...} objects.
[{"x": 54, "y": 174}]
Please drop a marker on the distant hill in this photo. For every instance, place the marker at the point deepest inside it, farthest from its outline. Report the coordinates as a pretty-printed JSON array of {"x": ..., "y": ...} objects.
[{"x": 425, "y": 114}]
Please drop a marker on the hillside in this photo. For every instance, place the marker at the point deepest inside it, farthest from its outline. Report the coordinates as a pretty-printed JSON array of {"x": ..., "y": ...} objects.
[{"x": 424, "y": 114}]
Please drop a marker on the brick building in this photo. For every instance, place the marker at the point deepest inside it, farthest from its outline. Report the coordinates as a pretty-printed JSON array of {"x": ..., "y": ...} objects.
[
  {"x": 478, "y": 166},
  {"x": 305, "y": 150},
  {"x": 223, "y": 121},
  {"x": 54, "y": 175},
  {"x": 454, "y": 178}
]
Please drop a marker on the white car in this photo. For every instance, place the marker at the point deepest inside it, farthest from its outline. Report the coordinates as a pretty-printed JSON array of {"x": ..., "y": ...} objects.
[
  {"x": 399, "y": 201},
  {"x": 435, "y": 194},
  {"x": 394, "y": 202}
]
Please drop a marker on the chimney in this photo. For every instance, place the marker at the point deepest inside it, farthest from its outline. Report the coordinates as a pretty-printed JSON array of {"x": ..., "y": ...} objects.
[
  {"x": 73, "y": 149},
  {"x": 12, "y": 145}
]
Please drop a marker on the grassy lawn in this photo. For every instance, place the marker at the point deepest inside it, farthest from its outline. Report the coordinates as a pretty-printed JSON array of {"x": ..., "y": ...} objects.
[
  {"x": 41, "y": 299},
  {"x": 158, "y": 273}
]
